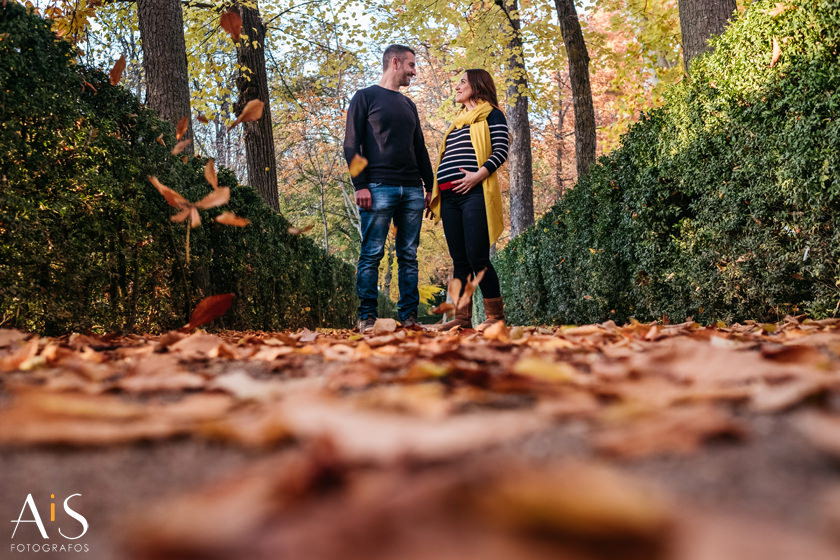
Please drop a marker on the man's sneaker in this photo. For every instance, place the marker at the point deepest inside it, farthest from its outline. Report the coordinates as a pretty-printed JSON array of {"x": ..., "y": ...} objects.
[
  {"x": 412, "y": 323},
  {"x": 366, "y": 325}
]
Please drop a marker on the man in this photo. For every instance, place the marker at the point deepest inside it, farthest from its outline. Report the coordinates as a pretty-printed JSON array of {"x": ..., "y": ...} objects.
[{"x": 384, "y": 127}]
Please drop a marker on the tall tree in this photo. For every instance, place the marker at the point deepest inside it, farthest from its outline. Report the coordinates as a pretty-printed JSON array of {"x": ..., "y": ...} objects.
[
  {"x": 253, "y": 84},
  {"x": 165, "y": 60},
  {"x": 581, "y": 88},
  {"x": 520, "y": 163},
  {"x": 699, "y": 20}
]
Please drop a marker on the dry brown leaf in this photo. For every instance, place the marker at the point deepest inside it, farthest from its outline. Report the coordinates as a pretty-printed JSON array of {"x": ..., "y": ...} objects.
[
  {"x": 779, "y": 9},
  {"x": 20, "y": 356},
  {"x": 202, "y": 119},
  {"x": 777, "y": 52},
  {"x": 209, "y": 309},
  {"x": 822, "y": 430},
  {"x": 117, "y": 70},
  {"x": 231, "y": 219},
  {"x": 252, "y": 111},
  {"x": 195, "y": 218},
  {"x": 182, "y": 127},
  {"x": 184, "y": 159},
  {"x": 171, "y": 196},
  {"x": 210, "y": 173},
  {"x": 179, "y": 147},
  {"x": 231, "y": 22},
  {"x": 454, "y": 290},
  {"x": 160, "y": 141},
  {"x": 357, "y": 165},
  {"x": 384, "y": 325},
  {"x": 8, "y": 337},
  {"x": 497, "y": 331},
  {"x": 444, "y": 307},
  {"x": 217, "y": 197},
  {"x": 298, "y": 231}
]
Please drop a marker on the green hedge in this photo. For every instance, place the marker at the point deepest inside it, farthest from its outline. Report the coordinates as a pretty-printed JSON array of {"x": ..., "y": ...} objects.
[
  {"x": 85, "y": 240},
  {"x": 721, "y": 205}
]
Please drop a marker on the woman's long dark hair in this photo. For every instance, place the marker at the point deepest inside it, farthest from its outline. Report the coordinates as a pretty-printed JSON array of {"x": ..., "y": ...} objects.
[{"x": 482, "y": 86}]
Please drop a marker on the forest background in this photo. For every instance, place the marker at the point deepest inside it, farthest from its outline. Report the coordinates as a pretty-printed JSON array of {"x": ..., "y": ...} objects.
[{"x": 318, "y": 53}]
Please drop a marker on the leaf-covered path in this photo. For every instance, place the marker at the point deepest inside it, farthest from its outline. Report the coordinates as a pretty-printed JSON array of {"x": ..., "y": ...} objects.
[{"x": 642, "y": 441}]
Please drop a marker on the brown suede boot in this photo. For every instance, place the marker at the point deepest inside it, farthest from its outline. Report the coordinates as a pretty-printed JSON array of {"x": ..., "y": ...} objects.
[
  {"x": 494, "y": 309},
  {"x": 463, "y": 319}
]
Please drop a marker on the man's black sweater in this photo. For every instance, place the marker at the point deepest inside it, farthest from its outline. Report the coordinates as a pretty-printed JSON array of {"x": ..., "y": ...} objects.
[{"x": 384, "y": 127}]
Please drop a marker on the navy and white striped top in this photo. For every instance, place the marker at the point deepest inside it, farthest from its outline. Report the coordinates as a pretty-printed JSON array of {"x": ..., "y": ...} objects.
[{"x": 460, "y": 153}]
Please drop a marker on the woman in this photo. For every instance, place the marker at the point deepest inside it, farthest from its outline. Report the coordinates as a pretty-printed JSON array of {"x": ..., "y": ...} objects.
[{"x": 466, "y": 192}]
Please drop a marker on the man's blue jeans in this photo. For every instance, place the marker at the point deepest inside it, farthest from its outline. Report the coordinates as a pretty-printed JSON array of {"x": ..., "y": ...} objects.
[{"x": 403, "y": 205}]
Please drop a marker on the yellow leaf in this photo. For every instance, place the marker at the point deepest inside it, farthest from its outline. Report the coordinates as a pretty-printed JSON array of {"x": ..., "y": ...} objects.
[
  {"x": 545, "y": 370},
  {"x": 357, "y": 165}
]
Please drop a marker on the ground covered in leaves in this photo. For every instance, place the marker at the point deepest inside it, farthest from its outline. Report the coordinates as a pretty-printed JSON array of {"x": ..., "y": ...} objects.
[{"x": 644, "y": 441}]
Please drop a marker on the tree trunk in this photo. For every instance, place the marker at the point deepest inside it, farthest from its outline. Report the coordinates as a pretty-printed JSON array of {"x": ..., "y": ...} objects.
[
  {"x": 165, "y": 61},
  {"x": 520, "y": 165},
  {"x": 581, "y": 89},
  {"x": 699, "y": 20},
  {"x": 253, "y": 84}
]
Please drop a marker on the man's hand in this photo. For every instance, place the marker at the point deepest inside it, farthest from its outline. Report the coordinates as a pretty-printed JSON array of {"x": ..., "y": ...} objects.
[
  {"x": 363, "y": 199},
  {"x": 427, "y": 206}
]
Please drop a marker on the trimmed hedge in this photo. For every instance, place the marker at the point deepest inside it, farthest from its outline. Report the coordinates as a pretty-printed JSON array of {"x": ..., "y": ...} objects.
[
  {"x": 720, "y": 205},
  {"x": 85, "y": 240}
]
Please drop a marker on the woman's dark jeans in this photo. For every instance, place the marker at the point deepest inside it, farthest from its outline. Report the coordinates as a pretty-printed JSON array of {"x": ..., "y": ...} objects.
[{"x": 465, "y": 227}]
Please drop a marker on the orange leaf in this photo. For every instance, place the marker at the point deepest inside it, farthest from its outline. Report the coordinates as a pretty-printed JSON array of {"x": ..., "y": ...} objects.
[
  {"x": 252, "y": 111},
  {"x": 454, "y": 290},
  {"x": 444, "y": 307},
  {"x": 172, "y": 197},
  {"x": 184, "y": 159},
  {"x": 777, "y": 52},
  {"x": 160, "y": 141},
  {"x": 298, "y": 231},
  {"x": 209, "y": 309},
  {"x": 210, "y": 173},
  {"x": 357, "y": 165},
  {"x": 479, "y": 277},
  {"x": 232, "y": 23},
  {"x": 117, "y": 70},
  {"x": 195, "y": 218},
  {"x": 215, "y": 198},
  {"x": 231, "y": 219},
  {"x": 179, "y": 147},
  {"x": 466, "y": 297},
  {"x": 202, "y": 119},
  {"x": 85, "y": 83},
  {"x": 183, "y": 125},
  {"x": 779, "y": 9},
  {"x": 182, "y": 215}
]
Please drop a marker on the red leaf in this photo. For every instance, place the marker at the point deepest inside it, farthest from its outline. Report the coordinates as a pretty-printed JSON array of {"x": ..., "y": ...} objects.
[
  {"x": 253, "y": 110},
  {"x": 183, "y": 125},
  {"x": 202, "y": 119},
  {"x": 117, "y": 70},
  {"x": 209, "y": 309},
  {"x": 232, "y": 23}
]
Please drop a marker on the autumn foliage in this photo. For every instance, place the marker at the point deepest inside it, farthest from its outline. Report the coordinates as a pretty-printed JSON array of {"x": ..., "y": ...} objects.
[
  {"x": 720, "y": 205},
  {"x": 86, "y": 240}
]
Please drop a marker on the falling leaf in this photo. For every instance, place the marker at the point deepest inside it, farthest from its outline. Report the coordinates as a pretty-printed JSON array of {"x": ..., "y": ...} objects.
[
  {"x": 179, "y": 147},
  {"x": 182, "y": 127},
  {"x": 454, "y": 290},
  {"x": 210, "y": 173},
  {"x": 85, "y": 84},
  {"x": 298, "y": 231},
  {"x": 209, "y": 309},
  {"x": 216, "y": 198},
  {"x": 357, "y": 165},
  {"x": 172, "y": 197},
  {"x": 184, "y": 159},
  {"x": 202, "y": 119},
  {"x": 232, "y": 23},
  {"x": 160, "y": 141},
  {"x": 384, "y": 325},
  {"x": 252, "y": 111},
  {"x": 779, "y": 9},
  {"x": 444, "y": 307},
  {"x": 231, "y": 219},
  {"x": 182, "y": 215},
  {"x": 117, "y": 70},
  {"x": 777, "y": 52}
]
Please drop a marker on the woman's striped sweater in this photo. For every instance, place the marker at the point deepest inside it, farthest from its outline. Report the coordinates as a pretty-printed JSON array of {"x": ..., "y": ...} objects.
[{"x": 460, "y": 153}]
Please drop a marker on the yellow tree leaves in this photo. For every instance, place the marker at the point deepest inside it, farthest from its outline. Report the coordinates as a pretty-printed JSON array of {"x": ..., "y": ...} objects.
[{"x": 357, "y": 165}]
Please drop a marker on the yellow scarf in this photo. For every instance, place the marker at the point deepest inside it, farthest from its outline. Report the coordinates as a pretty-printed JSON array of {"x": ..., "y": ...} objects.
[{"x": 480, "y": 137}]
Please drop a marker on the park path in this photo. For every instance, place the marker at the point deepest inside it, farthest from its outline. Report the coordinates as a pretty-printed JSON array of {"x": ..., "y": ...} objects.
[{"x": 599, "y": 441}]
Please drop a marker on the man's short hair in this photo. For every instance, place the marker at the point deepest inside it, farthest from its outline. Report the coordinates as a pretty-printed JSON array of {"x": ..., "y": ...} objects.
[{"x": 398, "y": 51}]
